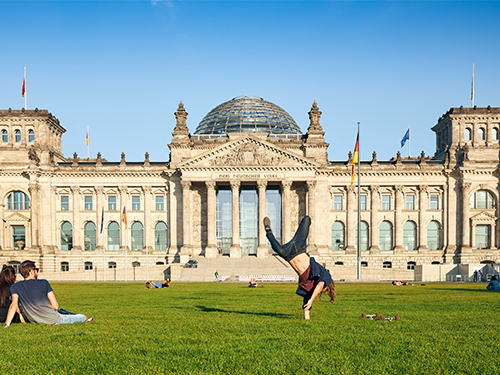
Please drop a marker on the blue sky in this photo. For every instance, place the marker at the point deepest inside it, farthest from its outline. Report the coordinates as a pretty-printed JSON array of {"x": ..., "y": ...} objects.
[{"x": 121, "y": 67}]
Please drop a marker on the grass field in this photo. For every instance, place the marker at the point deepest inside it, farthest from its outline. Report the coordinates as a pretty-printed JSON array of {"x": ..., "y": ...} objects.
[{"x": 219, "y": 328}]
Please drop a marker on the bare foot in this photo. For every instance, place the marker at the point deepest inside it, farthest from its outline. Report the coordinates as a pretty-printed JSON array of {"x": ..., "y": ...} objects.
[{"x": 307, "y": 314}]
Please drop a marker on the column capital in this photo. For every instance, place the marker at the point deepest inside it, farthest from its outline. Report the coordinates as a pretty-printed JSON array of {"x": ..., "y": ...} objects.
[
  {"x": 147, "y": 189},
  {"x": 99, "y": 189},
  {"x": 466, "y": 186},
  {"x": 399, "y": 189},
  {"x": 76, "y": 189},
  {"x": 235, "y": 184},
  {"x": 186, "y": 184},
  {"x": 261, "y": 184},
  {"x": 375, "y": 189},
  {"x": 123, "y": 189},
  {"x": 351, "y": 189},
  {"x": 311, "y": 185},
  {"x": 34, "y": 187},
  {"x": 210, "y": 184},
  {"x": 423, "y": 188},
  {"x": 286, "y": 184}
]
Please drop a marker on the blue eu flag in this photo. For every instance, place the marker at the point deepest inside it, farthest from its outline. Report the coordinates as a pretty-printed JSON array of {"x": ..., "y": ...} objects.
[{"x": 405, "y": 138}]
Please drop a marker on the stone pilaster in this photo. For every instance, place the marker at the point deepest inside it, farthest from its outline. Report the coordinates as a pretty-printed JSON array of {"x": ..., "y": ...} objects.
[
  {"x": 311, "y": 209},
  {"x": 211, "y": 249},
  {"x": 186, "y": 249},
  {"x": 54, "y": 240},
  {"x": 286, "y": 212},
  {"x": 235, "y": 250},
  {"x": 35, "y": 212},
  {"x": 262, "y": 248},
  {"x": 350, "y": 246},
  {"x": 123, "y": 228},
  {"x": 375, "y": 205},
  {"x": 99, "y": 206},
  {"x": 422, "y": 229},
  {"x": 77, "y": 225},
  {"x": 465, "y": 248},
  {"x": 148, "y": 224},
  {"x": 398, "y": 222},
  {"x": 2, "y": 228}
]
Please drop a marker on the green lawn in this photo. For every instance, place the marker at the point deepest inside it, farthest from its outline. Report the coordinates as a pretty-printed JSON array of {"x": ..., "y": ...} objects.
[{"x": 223, "y": 328}]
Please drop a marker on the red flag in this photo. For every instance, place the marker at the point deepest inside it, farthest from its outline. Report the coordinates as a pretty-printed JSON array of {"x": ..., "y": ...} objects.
[
  {"x": 87, "y": 139},
  {"x": 355, "y": 158},
  {"x": 124, "y": 217},
  {"x": 24, "y": 87}
]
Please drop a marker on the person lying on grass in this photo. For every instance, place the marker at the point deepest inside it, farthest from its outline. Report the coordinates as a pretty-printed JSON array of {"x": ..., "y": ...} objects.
[
  {"x": 37, "y": 300},
  {"x": 313, "y": 278},
  {"x": 157, "y": 285}
]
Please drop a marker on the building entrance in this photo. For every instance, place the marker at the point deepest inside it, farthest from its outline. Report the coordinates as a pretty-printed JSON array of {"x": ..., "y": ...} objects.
[{"x": 249, "y": 218}]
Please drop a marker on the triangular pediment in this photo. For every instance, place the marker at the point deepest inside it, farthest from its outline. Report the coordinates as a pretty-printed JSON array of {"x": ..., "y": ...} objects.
[
  {"x": 17, "y": 218},
  {"x": 248, "y": 151},
  {"x": 483, "y": 217}
]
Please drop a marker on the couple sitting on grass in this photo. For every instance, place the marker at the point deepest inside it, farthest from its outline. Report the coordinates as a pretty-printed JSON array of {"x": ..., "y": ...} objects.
[
  {"x": 32, "y": 300},
  {"x": 314, "y": 279}
]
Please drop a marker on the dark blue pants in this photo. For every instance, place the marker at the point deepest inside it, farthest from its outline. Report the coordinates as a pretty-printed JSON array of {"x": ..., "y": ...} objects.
[{"x": 298, "y": 243}]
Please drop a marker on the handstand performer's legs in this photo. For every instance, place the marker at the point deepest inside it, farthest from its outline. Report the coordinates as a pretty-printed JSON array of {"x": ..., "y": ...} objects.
[{"x": 298, "y": 243}]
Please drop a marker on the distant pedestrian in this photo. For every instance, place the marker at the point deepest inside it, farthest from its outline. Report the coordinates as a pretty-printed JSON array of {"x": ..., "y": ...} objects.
[
  {"x": 480, "y": 275},
  {"x": 475, "y": 276},
  {"x": 216, "y": 274}
]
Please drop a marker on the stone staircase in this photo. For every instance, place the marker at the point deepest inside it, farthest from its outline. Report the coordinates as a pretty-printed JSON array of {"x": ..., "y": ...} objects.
[{"x": 235, "y": 267}]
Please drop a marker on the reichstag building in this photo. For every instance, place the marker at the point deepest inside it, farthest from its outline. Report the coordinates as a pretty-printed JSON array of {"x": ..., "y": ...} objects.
[{"x": 247, "y": 159}]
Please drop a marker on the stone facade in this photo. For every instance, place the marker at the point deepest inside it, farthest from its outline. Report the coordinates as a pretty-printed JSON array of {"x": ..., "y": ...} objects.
[{"x": 414, "y": 211}]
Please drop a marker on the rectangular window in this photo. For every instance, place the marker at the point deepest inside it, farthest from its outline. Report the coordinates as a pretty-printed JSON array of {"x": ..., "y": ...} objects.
[
  {"x": 337, "y": 202},
  {"x": 362, "y": 202},
  {"x": 386, "y": 202},
  {"x": 136, "y": 203},
  {"x": 88, "y": 203},
  {"x": 434, "y": 202},
  {"x": 112, "y": 203},
  {"x": 64, "y": 202},
  {"x": 159, "y": 203},
  {"x": 410, "y": 202}
]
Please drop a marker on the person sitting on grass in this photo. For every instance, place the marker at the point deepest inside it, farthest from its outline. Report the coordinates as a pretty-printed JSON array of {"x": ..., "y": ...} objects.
[
  {"x": 7, "y": 278},
  {"x": 37, "y": 300},
  {"x": 493, "y": 284},
  {"x": 253, "y": 284},
  {"x": 313, "y": 278}
]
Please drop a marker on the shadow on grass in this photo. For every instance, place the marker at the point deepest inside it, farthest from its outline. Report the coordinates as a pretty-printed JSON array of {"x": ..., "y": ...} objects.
[
  {"x": 210, "y": 309},
  {"x": 467, "y": 290}
]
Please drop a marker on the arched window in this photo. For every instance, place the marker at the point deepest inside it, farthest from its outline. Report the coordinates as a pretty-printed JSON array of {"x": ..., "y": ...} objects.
[
  {"x": 387, "y": 265},
  {"x": 482, "y": 199},
  {"x": 435, "y": 262},
  {"x": 160, "y": 263},
  {"x": 64, "y": 266},
  {"x": 17, "y": 200},
  {"x": 338, "y": 236},
  {"x": 483, "y": 236},
  {"x": 137, "y": 236},
  {"x": 89, "y": 234},
  {"x": 339, "y": 263},
  {"x": 136, "y": 264},
  {"x": 66, "y": 236},
  {"x": 411, "y": 265},
  {"x": 480, "y": 134},
  {"x": 5, "y": 136},
  {"x": 385, "y": 236},
  {"x": 494, "y": 134},
  {"x": 160, "y": 236},
  {"x": 467, "y": 134},
  {"x": 410, "y": 236},
  {"x": 113, "y": 236},
  {"x": 433, "y": 235},
  {"x": 111, "y": 264},
  {"x": 364, "y": 236},
  {"x": 31, "y": 136},
  {"x": 88, "y": 266},
  {"x": 17, "y": 136},
  {"x": 15, "y": 264},
  {"x": 364, "y": 264}
]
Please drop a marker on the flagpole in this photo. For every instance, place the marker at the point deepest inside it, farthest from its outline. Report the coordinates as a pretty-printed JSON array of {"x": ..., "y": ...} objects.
[
  {"x": 359, "y": 209},
  {"x": 146, "y": 240},
  {"x": 88, "y": 147},
  {"x": 25, "y": 91},
  {"x": 409, "y": 140},
  {"x": 103, "y": 247},
  {"x": 126, "y": 243},
  {"x": 472, "y": 88}
]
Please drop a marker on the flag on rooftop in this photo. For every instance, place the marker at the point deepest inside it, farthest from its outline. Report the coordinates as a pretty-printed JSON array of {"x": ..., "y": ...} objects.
[
  {"x": 124, "y": 217},
  {"x": 355, "y": 158},
  {"x": 405, "y": 138}
]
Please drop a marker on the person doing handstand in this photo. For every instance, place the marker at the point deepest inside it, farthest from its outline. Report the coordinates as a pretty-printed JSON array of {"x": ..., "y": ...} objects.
[{"x": 313, "y": 278}]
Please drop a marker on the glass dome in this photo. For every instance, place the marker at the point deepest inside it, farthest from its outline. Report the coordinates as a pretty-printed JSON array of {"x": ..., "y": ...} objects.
[{"x": 247, "y": 114}]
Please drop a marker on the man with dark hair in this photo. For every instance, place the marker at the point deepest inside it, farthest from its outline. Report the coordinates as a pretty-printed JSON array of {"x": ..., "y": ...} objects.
[
  {"x": 493, "y": 284},
  {"x": 313, "y": 277},
  {"x": 37, "y": 300}
]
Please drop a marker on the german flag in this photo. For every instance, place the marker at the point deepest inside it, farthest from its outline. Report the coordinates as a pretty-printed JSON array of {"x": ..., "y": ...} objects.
[{"x": 355, "y": 159}]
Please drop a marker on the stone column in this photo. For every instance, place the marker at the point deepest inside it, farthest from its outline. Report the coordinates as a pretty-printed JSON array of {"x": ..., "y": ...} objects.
[
  {"x": 211, "y": 249},
  {"x": 465, "y": 218},
  {"x": 398, "y": 222},
  {"x": 375, "y": 205},
  {"x": 173, "y": 210},
  {"x": 2, "y": 228},
  {"x": 422, "y": 229},
  {"x": 262, "y": 250},
  {"x": 148, "y": 224},
  {"x": 35, "y": 212},
  {"x": 99, "y": 206},
  {"x": 77, "y": 233},
  {"x": 186, "y": 249},
  {"x": 123, "y": 231},
  {"x": 352, "y": 219},
  {"x": 55, "y": 241},
  {"x": 235, "y": 250},
  {"x": 311, "y": 208},
  {"x": 286, "y": 235}
]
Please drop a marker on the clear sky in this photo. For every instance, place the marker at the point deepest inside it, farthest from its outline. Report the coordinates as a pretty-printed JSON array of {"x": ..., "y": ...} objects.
[{"x": 121, "y": 67}]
